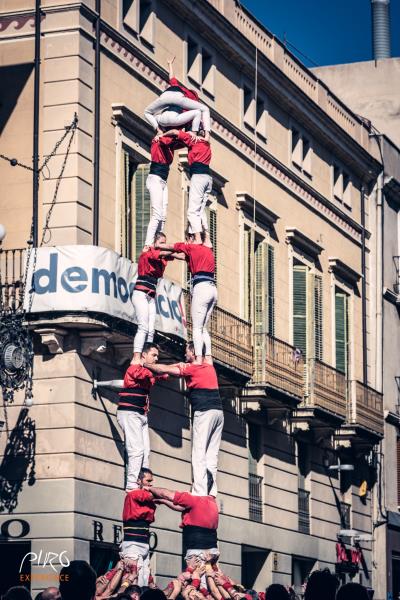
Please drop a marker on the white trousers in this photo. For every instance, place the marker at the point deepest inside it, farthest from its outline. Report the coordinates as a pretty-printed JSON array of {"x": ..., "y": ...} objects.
[
  {"x": 206, "y": 440},
  {"x": 141, "y": 553},
  {"x": 145, "y": 310},
  {"x": 158, "y": 191},
  {"x": 204, "y": 298},
  {"x": 194, "y": 110},
  {"x": 200, "y": 187},
  {"x": 137, "y": 444}
]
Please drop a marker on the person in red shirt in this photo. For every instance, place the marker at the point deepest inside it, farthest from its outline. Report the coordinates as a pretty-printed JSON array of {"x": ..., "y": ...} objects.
[
  {"x": 162, "y": 154},
  {"x": 177, "y": 106},
  {"x": 199, "y": 158},
  {"x": 208, "y": 417},
  {"x": 133, "y": 407},
  {"x": 138, "y": 514},
  {"x": 151, "y": 267},
  {"x": 201, "y": 261},
  {"x": 200, "y": 516}
]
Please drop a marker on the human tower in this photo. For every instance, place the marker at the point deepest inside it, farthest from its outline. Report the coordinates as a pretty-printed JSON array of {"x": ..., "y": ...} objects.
[{"x": 179, "y": 120}]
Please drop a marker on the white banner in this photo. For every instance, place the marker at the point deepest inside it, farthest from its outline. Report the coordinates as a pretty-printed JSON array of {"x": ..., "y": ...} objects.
[{"x": 93, "y": 279}]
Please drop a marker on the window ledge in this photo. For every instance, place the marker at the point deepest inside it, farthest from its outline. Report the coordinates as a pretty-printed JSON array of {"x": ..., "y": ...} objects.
[{"x": 344, "y": 271}]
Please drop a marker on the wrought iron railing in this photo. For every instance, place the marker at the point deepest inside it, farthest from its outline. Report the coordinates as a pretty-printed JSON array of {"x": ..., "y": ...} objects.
[
  {"x": 278, "y": 365},
  {"x": 304, "y": 510},
  {"x": 231, "y": 338},
  {"x": 255, "y": 497},
  {"x": 11, "y": 276},
  {"x": 365, "y": 407},
  {"x": 326, "y": 388}
]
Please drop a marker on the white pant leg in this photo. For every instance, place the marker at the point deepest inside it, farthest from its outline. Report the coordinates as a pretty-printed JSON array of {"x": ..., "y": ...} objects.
[
  {"x": 170, "y": 119},
  {"x": 207, "y": 191},
  {"x": 206, "y": 336},
  {"x": 164, "y": 208},
  {"x": 131, "y": 424},
  {"x": 189, "y": 104},
  {"x": 141, "y": 305},
  {"x": 198, "y": 193},
  {"x": 156, "y": 186},
  {"x": 146, "y": 442},
  {"x": 152, "y": 318},
  {"x": 145, "y": 570},
  {"x": 160, "y": 104},
  {"x": 203, "y": 301},
  {"x": 214, "y": 442},
  {"x": 141, "y": 553},
  {"x": 199, "y": 448}
]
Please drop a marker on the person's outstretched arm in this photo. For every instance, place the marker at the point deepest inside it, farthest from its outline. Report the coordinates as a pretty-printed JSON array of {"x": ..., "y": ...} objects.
[
  {"x": 162, "y": 493},
  {"x": 170, "y": 62},
  {"x": 170, "y": 504},
  {"x": 164, "y": 369}
]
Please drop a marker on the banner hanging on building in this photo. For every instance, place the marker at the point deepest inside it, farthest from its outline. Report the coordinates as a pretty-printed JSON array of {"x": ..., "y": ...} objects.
[{"x": 94, "y": 279}]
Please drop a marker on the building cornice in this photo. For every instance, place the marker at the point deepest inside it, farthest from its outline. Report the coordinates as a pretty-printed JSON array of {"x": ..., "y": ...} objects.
[
  {"x": 345, "y": 272},
  {"x": 300, "y": 240},
  {"x": 252, "y": 208}
]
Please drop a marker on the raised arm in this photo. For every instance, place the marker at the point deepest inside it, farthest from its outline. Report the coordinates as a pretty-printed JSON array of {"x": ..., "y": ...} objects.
[
  {"x": 163, "y": 246},
  {"x": 170, "y": 504},
  {"x": 164, "y": 369},
  {"x": 170, "y": 62},
  {"x": 162, "y": 493}
]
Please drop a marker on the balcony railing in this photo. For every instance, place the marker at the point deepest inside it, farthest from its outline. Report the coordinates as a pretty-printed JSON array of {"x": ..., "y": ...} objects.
[
  {"x": 304, "y": 511},
  {"x": 326, "y": 388},
  {"x": 345, "y": 515},
  {"x": 278, "y": 365},
  {"x": 231, "y": 338},
  {"x": 255, "y": 497},
  {"x": 11, "y": 275},
  {"x": 365, "y": 407}
]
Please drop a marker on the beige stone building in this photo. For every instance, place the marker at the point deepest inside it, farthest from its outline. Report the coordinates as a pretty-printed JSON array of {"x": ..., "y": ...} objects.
[{"x": 294, "y": 173}]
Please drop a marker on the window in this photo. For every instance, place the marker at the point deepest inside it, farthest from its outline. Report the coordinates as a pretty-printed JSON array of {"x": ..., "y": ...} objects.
[
  {"x": 255, "y": 454},
  {"x": 398, "y": 470},
  {"x": 207, "y": 72},
  {"x": 301, "y": 154},
  {"x": 211, "y": 213},
  {"x": 307, "y": 332},
  {"x": 303, "y": 465},
  {"x": 135, "y": 207},
  {"x": 341, "y": 330},
  {"x": 12, "y": 556},
  {"x": 193, "y": 61},
  {"x": 139, "y": 16},
  {"x": 342, "y": 186},
  {"x": 259, "y": 282},
  {"x": 200, "y": 66},
  {"x": 254, "y": 113},
  {"x": 248, "y": 107}
]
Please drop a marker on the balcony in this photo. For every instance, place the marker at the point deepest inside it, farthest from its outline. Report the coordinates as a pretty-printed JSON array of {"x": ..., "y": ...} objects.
[
  {"x": 231, "y": 339},
  {"x": 11, "y": 274},
  {"x": 326, "y": 388},
  {"x": 365, "y": 409},
  {"x": 278, "y": 366}
]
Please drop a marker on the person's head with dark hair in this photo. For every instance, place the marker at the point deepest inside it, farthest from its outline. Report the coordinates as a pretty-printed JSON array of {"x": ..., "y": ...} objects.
[
  {"x": 133, "y": 592},
  {"x": 189, "y": 237},
  {"x": 150, "y": 353},
  {"x": 321, "y": 584},
  {"x": 160, "y": 237},
  {"x": 77, "y": 581},
  {"x": 145, "y": 477},
  {"x": 190, "y": 355},
  {"x": 51, "y": 593},
  {"x": 352, "y": 591},
  {"x": 152, "y": 595},
  {"x": 17, "y": 592},
  {"x": 276, "y": 591}
]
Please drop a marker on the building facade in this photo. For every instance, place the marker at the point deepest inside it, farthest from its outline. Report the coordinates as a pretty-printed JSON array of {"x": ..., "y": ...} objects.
[{"x": 294, "y": 174}]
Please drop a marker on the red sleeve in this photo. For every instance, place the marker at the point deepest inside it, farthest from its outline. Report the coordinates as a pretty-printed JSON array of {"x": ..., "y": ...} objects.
[
  {"x": 166, "y": 140},
  {"x": 134, "y": 374},
  {"x": 182, "y": 247},
  {"x": 186, "y": 368},
  {"x": 173, "y": 81},
  {"x": 183, "y": 499},
  {"x": 185, "y": 137}
]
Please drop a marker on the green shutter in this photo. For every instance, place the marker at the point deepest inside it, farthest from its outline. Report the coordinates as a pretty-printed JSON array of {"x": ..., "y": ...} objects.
[
  {"x": 248, "y": 250},
  {"x": 318, "y": 304},
  {"x": 341, "y": 331},
  {"x": 142, "y": 208},
  {"x": 260, "y": 267},
  {"x": 212, "y": 224},
  {"x": 300, "y": 307},
  {"x": 125, "y": 224},
  {"x": 271, "y": 289}
]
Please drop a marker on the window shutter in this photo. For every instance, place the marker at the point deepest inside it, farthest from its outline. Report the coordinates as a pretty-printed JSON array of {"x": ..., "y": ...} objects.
[
  {"x": 259, "y": 289},
  {"x": 212, "y": 224},
  {"x": 300, "y": 308},
  {"x": 142, "y": 208},
  {"x": 341, "y": 331},
  {"x": 398, "y": 471},
  {"x": 271, "y": 289},
  {"x": 318, "y": 303},
  {"x": 126, "y": 204},
  {"x": 248, "y": 250}
]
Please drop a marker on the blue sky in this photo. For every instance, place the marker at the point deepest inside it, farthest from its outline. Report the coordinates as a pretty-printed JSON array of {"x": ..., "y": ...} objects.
[{"x": 327, "y": 31}]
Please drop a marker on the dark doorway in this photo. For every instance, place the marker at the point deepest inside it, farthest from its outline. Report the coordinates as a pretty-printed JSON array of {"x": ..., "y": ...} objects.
[
  {"x": 103, "y": 556},
  {"x": 11, "y": 556},
  {"x": 396, "y": 578},
  {"x": 13, "y": 81},
  {"x": 253, "y": 564}
]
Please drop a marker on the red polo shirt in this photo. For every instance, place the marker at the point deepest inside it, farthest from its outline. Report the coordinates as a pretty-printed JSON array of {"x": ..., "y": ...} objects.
[
  {"x": 198, "y": 256},
  {"x": 162, "y": 151},
  {"x": 139, "y": 504},
  {"x": 199, "y": 152},
  {"x": 199, "y": 377},
  {"x": 151, "y": 263},
  {"x": 201, "y": 511},
  {"x": 192, "y": 94}
]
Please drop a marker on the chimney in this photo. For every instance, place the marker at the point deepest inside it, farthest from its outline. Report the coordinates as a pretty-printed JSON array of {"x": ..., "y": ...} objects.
[{"x": 381, "y": 28}]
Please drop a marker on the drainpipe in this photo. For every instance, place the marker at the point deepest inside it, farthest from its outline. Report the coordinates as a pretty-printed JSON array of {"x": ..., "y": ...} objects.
[
  {"x": 379, "y": 283},
  {"x": 36, "y": 107},
  {"x": 96, "y": 158},
  {"x": 364, "y": 290}
]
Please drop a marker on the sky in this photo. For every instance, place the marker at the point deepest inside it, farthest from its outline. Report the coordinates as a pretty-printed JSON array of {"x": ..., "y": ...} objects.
[{"x": 327, "y": 32}]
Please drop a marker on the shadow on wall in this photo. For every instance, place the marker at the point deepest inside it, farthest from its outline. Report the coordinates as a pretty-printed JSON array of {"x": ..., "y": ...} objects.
[
  {"x": 13, "y": 80},
  {"x": 18, "y": 464}
]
